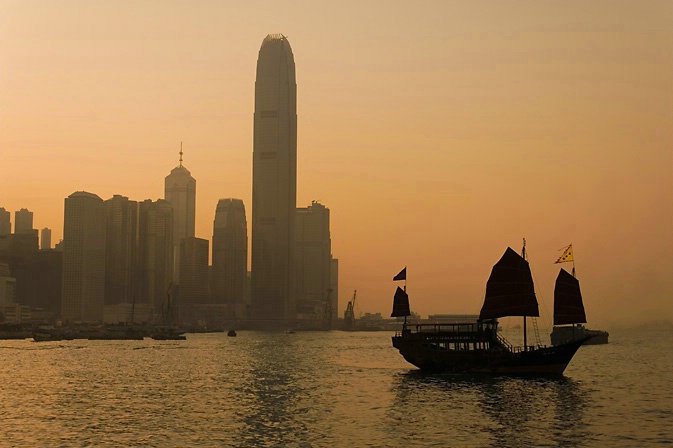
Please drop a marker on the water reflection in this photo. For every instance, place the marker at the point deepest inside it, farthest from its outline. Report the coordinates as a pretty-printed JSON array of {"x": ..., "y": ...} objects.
[{"x": 490, "y": 411}]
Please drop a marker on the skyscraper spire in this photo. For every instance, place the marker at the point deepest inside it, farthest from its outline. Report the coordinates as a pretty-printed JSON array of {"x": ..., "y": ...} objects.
[{"x": 180, "y": 153}]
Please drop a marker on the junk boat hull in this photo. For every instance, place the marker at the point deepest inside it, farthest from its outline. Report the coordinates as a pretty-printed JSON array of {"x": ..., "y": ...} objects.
[{"x": 450, "y": 349}]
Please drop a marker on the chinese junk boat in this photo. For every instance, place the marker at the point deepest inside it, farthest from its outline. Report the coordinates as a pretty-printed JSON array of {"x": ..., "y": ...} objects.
[
  {"x": 476, "y": 347},
  {"x": 569, "y": 309}
]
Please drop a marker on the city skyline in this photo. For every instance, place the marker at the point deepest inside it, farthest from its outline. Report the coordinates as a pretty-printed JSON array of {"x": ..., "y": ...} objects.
[{"x": 435, "y": 144}]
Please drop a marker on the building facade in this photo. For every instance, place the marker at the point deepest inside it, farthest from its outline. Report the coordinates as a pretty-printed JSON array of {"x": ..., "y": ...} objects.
[
  {"x": 121, "y": 250},
  {"x": 23, "y": 221},
  {"x": 155, "y": 248},
  {"x": 5, "y": 222},
  {"x": 313, "y": 262},
  {"x": 193, "y": 279},
  {"x": 274, "y": 182},
  {"x": 45, "y": 239},
  {"x": 180, "y": 191},
  {"x": 230, "y": 253},
  {"x": 83, "y": 258}
]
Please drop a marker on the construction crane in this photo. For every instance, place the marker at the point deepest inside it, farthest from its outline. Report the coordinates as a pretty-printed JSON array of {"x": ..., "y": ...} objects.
[{"x": 349, "y": 314}]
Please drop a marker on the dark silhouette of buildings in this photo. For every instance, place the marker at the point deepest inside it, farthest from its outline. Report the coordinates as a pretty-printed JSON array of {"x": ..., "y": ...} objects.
[
  {"x": 230, "y": 252},
  {"x": 5, "y": 222},
  {"x": 23, "y": 221},
  {"x": 121, "y": 250},
  {"x": 45, "y": 239},
  {"x": 155, "y": 241},
  {"x": 193, "y": 279},
  {"x": 274, "y": 182}
]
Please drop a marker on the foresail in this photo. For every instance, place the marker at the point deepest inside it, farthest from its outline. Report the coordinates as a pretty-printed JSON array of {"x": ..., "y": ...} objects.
[
  {"x": 400, "y": 304},
  {"x": 510, "y": 290},
  {"x": 568, "y": 306}
]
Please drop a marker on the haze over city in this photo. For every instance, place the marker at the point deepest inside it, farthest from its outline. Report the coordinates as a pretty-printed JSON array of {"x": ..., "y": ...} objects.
[{"x": 437, "y": 136}]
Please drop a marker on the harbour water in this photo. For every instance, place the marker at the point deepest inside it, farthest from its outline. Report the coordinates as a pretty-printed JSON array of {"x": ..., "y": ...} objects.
[{"x": 324, "y": 389}]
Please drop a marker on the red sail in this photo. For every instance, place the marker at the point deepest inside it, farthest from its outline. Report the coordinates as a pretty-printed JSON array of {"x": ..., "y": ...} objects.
[
  {"x": 510, "y": 290},
  {"x": 568, "y": 306}
]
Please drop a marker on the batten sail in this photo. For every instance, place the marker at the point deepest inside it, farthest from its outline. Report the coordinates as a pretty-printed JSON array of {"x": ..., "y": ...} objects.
[
  {"x": 510, "y": 290},
  {"x": 568, "y": 306},
  {"x": 400, "y": 304}
]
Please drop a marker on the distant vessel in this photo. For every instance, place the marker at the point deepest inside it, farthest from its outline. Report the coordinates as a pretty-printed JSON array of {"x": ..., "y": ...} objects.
[
  {"x": 231, "y": 333},
  {"x": 476, "y": 347},
  {"x": 569, "y": 312}
]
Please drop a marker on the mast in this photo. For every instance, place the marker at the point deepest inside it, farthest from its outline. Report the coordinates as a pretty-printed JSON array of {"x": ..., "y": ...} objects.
[{"x": 525, "y": 331}]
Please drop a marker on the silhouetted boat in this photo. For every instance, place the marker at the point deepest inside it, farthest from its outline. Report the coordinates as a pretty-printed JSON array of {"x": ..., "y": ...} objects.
[
  {"x": 117, "y": 333},
  {"x": 569, "y": 312},
  {"x": 167, "y": 334},
  {"x": 231, "y": 333},
  {"x": 476, "y": 347}
]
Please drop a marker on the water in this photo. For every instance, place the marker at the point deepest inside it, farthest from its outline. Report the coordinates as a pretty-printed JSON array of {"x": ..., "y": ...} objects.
[{"x": 324, "y": 390}]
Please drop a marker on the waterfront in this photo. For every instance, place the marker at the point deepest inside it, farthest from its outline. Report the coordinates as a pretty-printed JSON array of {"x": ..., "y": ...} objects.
[{"x": 324, "y": 389}]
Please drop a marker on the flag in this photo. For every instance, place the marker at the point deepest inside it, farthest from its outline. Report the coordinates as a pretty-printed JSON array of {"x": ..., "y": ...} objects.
[
  {"x": 567, "y": 255},
  {"x": 402, "y": 275}
]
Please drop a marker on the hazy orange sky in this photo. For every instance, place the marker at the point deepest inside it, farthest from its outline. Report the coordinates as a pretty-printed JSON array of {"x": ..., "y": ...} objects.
[{"x": 437, "y": 135}]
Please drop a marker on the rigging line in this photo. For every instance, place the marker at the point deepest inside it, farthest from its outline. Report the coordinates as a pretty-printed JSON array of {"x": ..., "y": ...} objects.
[{"x": 546, "y": 314}]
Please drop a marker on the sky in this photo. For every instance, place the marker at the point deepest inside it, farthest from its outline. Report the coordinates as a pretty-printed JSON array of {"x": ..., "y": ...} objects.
[{"x": 438, "y": 134}]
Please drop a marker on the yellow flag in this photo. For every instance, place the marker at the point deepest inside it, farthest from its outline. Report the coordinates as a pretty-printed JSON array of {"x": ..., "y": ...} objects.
[{"x": 567, "y": 255}]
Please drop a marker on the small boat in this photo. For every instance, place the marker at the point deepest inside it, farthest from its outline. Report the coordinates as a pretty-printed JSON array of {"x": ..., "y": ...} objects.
[
  {"x": 476, "y": 347},
  {"x": 231, "y": 333},
  {"x": 569, "y": 312},
  {"x": 290, "y": 331},
  {"x": 167, "y": 334}
]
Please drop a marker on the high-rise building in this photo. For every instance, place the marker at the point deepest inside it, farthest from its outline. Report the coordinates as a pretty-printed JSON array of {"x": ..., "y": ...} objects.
[
  {"x": 274, "y": 182},
  {"x": 334, "y": 286},
  {"x": 23, "y": 221},
  {"x": 193, "y": 276},
  {"x": 121, "y": 250},
  {"x": 230, "y": 252},
  {"x": 5, "y": 223},
  {"x": 313, "y": 262},
  {"x": 155, "y": 246},
  {"x": 83, "y": 258},
  {"x": 45, "y": 239},
  {"x": 180, "y": 191}
]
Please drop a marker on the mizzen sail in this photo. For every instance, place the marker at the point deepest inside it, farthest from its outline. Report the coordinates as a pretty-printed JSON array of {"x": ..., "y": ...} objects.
[
  {"x": 510, "y": 290},
  {"x": 568, "y": 306},
  {"x": 400, "y": 304}
]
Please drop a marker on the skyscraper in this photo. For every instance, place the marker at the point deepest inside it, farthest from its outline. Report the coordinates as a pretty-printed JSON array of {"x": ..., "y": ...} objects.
[
  {"x": 45, "y": 238},
  {"x": 5, "y": 223},
  {"x": 83, "y": 258},
  {"x": 23, "y": 221},
  {"x": 121, "y": 250},
  {"x": 313, "y": 262},
  {"x": 180, "y": 191},
  {"x": 230, "y": 252},
  {"x": 155, "y": 246},
  {"x": 193, "y": 276},
  {"x": 274, "y": 181}
]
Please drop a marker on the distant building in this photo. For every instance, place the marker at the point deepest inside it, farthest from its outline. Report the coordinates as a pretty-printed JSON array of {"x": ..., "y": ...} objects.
[
  {"x": 155, "y": 245},
  {"x": 121, "y": 250},
  {"x": 334, "y": 286},
  {"x": 274, "y": 182},
  {"x": 313, "y": 262},
  {"x": 230, "y": 253},
  {"x": 5, "y": 223},
  {"x": 23, "y": 221},
  {"x": 7, "y": 288},
  {"x": 40, "y": 283},
  {"x": 180, "y": 191},
  {"x": 83, "y": 258},
  {"x": 45, "y": 239},
  {"x": 193, "y": 279}
]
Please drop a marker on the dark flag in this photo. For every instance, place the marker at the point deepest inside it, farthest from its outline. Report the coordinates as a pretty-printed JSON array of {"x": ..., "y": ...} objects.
[{"x": 402, "y": 275}]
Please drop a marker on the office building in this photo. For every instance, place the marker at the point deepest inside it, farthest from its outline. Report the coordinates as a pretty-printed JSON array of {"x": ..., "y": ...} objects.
[
  {"x": 83, "y": 258},
  {"x": 23, "y": 222},
  {"x": 230, "y": 252},
  {"x": 45, "y": 239},
  {"x": 5, "y": 222},
  {"x": 121, "y": 250},
  {"x": 155, "y": 246},
  {"x": 274, "y": 183}
]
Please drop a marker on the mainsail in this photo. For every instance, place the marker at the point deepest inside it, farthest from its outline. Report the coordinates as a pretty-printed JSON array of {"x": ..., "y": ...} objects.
[
  {"x": 510, "y": 290},
  {"x": 400, "y": 304},
  {"x": 568, "y": 306}
]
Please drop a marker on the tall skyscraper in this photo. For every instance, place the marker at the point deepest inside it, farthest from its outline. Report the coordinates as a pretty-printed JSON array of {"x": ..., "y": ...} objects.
[
  {"x": 193, "y": 276},
  {"x": 155, "y": 246},
  {"x": 5, "y": 223},
  {"x": 45, "y": 239},
  {"x": 83, "y": 258},
  {"x": 274, "y": 182},
  {"x": 230, "y": 252},
  {"x": 23, "y": 221},
  {"x": 313, "y": 262},
  {"x": 121, "y": 250},
  {"x": 180, "y": 191}
]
